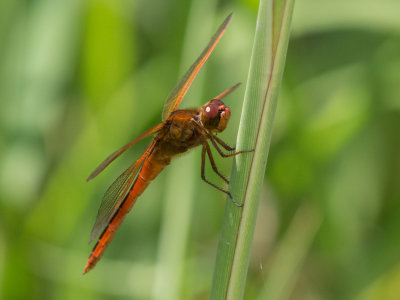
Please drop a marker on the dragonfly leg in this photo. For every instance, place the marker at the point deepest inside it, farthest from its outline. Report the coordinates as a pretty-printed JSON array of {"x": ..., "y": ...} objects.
[
  {"x": 212, "y": 162},
  {"x": 213, "y": 141},
  {"x": 203, "y": 177},
  {"x": 223, "y": 144}
]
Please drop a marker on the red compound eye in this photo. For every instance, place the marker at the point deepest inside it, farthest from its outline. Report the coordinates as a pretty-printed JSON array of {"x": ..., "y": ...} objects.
[{"x": 211, "y": 111}]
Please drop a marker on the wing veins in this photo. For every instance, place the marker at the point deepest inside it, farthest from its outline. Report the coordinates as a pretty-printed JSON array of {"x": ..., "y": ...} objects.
[
  {"x": 117, "y": 153},
  {"x": 116, "y": 193},
  {"x": 175, "y": 97}
]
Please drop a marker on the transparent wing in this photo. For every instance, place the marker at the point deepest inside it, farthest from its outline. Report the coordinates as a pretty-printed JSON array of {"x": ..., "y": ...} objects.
[
  {"x": 177, "y": 94},
  {"x": 227, "y": 92},
  {"x": 116, "y": 193},
  {"x": 117, "y": 153}
]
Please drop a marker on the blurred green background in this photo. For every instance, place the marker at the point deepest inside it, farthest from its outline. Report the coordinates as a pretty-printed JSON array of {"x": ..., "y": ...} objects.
[{"x": 79, "y": 79}]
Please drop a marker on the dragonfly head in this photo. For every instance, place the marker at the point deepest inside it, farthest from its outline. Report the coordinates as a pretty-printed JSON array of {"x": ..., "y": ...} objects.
[{"x": 215, "y": 115}]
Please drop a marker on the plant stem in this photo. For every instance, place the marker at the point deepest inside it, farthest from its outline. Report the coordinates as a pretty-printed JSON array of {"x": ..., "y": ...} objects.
[{"x": 264, "y": 79}]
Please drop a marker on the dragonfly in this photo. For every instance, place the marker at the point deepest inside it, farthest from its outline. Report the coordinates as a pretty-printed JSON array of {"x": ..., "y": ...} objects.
[{"x": 179, "y": 131}]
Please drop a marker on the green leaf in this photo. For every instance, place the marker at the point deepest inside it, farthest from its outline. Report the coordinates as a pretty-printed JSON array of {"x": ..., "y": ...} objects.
[{"x": 266, "y": 69}]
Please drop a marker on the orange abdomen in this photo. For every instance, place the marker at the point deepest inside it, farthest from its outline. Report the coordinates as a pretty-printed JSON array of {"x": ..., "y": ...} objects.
[{"x": 149, "y": 171}]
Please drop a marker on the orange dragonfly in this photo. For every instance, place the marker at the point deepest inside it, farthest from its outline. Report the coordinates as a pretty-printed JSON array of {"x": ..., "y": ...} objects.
[{"x": 180, "y": 131}]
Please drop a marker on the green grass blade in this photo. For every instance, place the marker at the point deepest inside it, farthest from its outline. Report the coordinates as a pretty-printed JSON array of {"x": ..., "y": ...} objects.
[{"x": 266, "y": 69}]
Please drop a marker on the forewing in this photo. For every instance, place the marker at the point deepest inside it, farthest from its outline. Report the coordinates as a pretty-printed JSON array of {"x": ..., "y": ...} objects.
[
  {"x": 177, "y": 94},
  {"x": 116, "y": 193},
  {"x": 117, "y": 153}
]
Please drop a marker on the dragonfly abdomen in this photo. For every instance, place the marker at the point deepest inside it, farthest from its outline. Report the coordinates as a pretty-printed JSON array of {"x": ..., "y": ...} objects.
[{"x": 149, "y": 171}]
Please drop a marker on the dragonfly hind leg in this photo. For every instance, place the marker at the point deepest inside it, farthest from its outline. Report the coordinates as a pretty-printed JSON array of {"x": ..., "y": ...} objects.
[{"x": 206, "y": 149}]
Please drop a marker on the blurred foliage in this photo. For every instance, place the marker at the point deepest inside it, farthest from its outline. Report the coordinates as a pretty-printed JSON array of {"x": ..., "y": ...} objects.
[{"x": 78, "y": 79}]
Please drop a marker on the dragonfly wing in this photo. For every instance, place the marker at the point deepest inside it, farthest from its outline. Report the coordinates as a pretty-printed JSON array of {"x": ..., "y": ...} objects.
[
  {"x": 177, "y": 94},
  {"x": 117, "y": 153},
  {"x": 116, "y": 193},
  {"x": 227, "y": 92}
]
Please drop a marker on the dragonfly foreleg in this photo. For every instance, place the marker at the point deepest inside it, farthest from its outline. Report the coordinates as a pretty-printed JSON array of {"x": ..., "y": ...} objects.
[
  {"x": 223, "y": 144},
  {"x": 213, "y": 141}
]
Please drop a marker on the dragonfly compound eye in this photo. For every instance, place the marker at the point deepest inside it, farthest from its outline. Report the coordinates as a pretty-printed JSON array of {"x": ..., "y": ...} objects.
[{"x": 211, "y": 111}]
